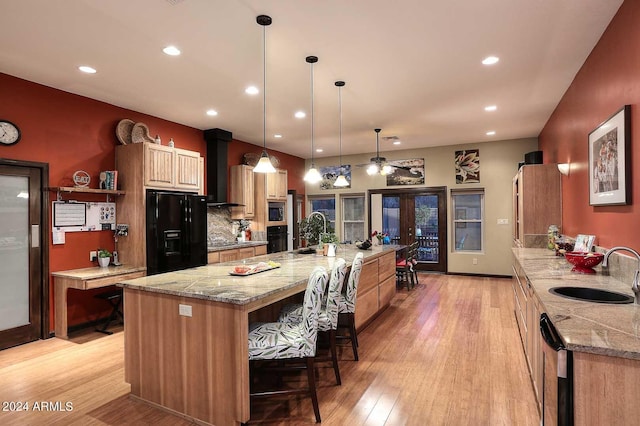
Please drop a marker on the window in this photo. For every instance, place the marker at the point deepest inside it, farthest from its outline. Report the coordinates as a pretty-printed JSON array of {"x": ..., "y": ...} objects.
[
  {"x": 353, "y": 219},
  {"x": 326, "y": 206},
  {"x": 468, "y": 219}
]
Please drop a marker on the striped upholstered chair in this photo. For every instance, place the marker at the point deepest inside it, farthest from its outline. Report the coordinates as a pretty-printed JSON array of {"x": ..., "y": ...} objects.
[
  {"x": 280, "y": 341},
  {"x": 328, "y": 316},
  {"x": 347, "y": 303}
]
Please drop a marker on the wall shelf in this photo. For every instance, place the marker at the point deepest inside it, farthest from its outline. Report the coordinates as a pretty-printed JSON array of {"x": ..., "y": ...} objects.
[{"x": 79, "y": 189}]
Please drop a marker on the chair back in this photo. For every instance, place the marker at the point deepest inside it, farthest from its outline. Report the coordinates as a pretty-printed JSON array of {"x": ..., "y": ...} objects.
[
  {"x": 311, "y": 306},
  {"x": 352, "y": 284},
  {"x": 336, "y": 281},
  {"x": 413, "y": 252}
]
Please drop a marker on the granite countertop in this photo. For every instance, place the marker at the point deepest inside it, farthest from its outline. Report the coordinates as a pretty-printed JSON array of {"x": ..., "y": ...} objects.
[
  {"x": 599, "y": 328},
  {"x": 231, "y": 246},
  {"x": 213, "y": 281},
  {"x": 98, "y": 272}
]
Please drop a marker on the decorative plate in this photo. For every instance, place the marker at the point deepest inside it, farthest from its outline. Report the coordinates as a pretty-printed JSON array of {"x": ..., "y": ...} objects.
[
  {"x": 140, "y": 133},
  {"x": 123, "y": 131}
]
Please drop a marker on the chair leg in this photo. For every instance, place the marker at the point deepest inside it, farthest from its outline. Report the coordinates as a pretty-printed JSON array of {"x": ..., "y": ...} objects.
[
  {"x": 334, "y": 355},
  {"x": 311, "y": 376},
  {"x": 354, "y": 335}
]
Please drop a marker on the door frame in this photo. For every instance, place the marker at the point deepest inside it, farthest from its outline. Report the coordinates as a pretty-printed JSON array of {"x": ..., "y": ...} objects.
[
  {"x": 441, "y": 192},
  {"x": 44, "y": 238}
]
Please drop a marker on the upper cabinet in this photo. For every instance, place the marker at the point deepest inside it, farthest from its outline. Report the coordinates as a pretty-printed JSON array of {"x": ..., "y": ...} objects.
[
  {"x": 276, "y": 185},
  {"x": 242, "y": 192},
  {"x": 537, "y": 203},
  {"x": 165, "y": 167}
]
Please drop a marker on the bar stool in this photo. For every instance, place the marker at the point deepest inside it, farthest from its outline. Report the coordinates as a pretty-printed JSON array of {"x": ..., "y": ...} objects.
[
  {"x": 347, "y": 304},
  {"x": 114, "y": 297},
  {"x": 280, "y": 341},
  {"x": 328, "y": 315}
]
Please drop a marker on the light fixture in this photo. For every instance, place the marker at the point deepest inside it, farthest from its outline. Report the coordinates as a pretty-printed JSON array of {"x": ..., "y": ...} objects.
[
  {"x": 313, "y": 175},
  {"x": 490, "y": 108},
  {"x": 490, "y": 60},
  {"x": 87, "y": 69},
  {"x": 341, "y": 181},
  {"x": 212, "y": 112},
  {"x": 252, "y": 90},
  {"x": 491, "y": 133},
  {"x": 564, "y": 168},
  {"x": 264, "y": 164},
  {"x": 171, "y": 51},
  {"x": 378, "y": 164},
  {"x": 300, "y": 114}
]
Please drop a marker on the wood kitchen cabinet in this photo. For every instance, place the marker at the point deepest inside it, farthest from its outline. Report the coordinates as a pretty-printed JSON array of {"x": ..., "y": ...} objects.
[
  {"x": 276, "y": 185},
  {"x": 537, "y": 203},
  {"x": 242, "y": 192},
  {"x": 143, "y": 166},
  {"x": 376, "y": 288},
  {"x": 235, "y": 254}
]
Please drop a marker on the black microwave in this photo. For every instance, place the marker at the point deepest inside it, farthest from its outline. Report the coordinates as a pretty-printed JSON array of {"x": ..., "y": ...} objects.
[{"x": 276, "y": 212}]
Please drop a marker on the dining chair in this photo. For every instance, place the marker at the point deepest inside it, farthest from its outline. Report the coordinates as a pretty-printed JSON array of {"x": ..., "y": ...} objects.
[
  {"x": 347, "y": 304},
  {"x": 405, "y": 271},
  {"x": 328, "y": 315},
  {"x": 285, "y": 341}
]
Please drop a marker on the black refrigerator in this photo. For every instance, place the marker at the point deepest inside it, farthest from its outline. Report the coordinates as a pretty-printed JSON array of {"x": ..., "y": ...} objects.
[{"x": 176, "y": 231}]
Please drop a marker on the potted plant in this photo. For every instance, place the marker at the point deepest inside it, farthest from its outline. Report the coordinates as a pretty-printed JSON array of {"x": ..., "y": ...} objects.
[
  {"x": 329, "y": 243},
  {"x": 104, "y": 257},
  {"x": 310, "y": 230}
]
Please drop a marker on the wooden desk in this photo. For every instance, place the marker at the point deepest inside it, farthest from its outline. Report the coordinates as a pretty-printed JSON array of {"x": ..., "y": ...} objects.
[{"x": 85, "y": 279}]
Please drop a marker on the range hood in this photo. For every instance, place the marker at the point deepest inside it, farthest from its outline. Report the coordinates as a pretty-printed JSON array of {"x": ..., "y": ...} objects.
[{"x": 217, "y": 173}]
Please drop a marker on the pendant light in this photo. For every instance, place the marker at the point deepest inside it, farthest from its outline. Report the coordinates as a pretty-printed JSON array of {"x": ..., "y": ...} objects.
[
  {"x": 378, "y": 164},
  {"x": 312, "y": 176},
  {"x": 341, "y": 181},
  {"x": 264, "y": 164}
]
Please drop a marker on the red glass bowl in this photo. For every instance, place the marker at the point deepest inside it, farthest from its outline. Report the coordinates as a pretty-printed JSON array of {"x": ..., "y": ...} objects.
[{"x": 583, "y": 262}]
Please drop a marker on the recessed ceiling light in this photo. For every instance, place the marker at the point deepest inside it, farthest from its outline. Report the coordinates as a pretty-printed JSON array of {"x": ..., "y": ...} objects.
[
  {"x": 252, "y": 90},
  {"x": 490, "y": 108},
  {"x": 300, "y": 114},
  {"x": 490, "y": 60},
  {"x": 212, "y": 112},
  {"x": 87, "y": 69},
  {"x": 319, "y": 149},
  {"x": 491, "y": 133},
  {"x": 277, "y": 135},
  {"x": 397, "y": 142},
  {"x": 171, "y": 51}
]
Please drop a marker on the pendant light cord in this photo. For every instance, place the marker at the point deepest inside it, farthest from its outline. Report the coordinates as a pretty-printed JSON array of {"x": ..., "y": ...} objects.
[
  {"x": 340, "y": 102},
  {"x": 312, "y": 125},
  {"x": 264, "y": 87}
]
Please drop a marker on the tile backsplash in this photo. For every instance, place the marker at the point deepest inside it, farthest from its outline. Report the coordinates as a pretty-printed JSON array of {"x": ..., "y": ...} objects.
[{"x": 220, "y": 227}]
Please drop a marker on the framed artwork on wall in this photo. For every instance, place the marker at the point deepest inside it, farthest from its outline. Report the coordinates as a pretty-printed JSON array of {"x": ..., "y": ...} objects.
[
  {"x": 467, "y": 164},
  {"x": 330, "y": 174},
  {"x": 406, "y": 172},
  {"x": 609, "y": 161}
]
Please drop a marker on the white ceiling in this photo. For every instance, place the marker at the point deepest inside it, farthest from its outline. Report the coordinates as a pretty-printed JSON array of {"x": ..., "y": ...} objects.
[{"x": 412, "y": 67}]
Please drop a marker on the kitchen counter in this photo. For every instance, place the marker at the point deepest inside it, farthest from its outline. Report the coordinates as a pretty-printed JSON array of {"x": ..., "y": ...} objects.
[
  {"x": 598, "y": 328},
  {"x": 213, "y": 282},
  {"x": 231, "y": 246}
]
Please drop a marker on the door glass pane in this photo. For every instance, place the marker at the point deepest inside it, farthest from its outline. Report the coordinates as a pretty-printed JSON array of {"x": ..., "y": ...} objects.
[
  {"x": 14, "y": 251},
  {"x": 426, "y": 214},
  {"x": 391, "y": 218}
]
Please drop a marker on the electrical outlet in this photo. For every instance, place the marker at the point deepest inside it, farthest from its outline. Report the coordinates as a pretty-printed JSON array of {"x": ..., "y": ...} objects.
[
  {"x": 184, "y": 310},
  {"x": 93, "y": 256},
  {"x": 475, "y": 260},
  {"x": 503, "y": 221}
]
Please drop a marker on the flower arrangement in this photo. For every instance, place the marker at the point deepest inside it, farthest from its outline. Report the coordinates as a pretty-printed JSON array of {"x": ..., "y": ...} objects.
[
  {"x": 379, "y": 235},
  {"x": 243, "y": 224}
]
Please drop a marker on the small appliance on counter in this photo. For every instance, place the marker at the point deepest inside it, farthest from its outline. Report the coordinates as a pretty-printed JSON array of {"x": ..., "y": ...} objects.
[{"x": 176, "y": 231}]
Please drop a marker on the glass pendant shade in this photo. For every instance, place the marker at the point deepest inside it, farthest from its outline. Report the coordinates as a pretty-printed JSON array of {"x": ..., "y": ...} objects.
[
  {"x": 313, "y": 175},
  {"x": 264, "y": 164},
  {"x": 372, "y": 169},
  {"x": 341, "y": 181},
  {"x": 386, "y": 170}
]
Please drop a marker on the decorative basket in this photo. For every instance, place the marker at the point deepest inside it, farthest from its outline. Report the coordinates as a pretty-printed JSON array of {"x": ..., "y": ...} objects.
[
  {"x": 583, "y": 262},
  {"x": 123, "y": 131},
  {"x": 140, "y": 133}
]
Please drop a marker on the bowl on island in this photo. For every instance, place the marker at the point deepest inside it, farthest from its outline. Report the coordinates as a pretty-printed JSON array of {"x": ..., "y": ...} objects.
[{"x": 583, "y": 262}]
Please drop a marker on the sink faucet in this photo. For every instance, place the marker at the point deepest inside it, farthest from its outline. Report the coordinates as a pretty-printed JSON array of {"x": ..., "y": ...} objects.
[
  {"x": 324, "y": 221},
  {"x": 636, "y": 276}
]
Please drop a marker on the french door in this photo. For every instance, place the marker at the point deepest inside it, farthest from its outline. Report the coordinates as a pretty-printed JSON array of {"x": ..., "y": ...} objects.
[
  {"x": 418, "y": 215},
  {"x": 23, "y": 311}
]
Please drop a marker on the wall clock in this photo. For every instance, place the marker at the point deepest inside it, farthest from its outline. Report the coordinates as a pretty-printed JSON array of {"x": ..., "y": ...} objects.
[{"x": 9, "y": 133}]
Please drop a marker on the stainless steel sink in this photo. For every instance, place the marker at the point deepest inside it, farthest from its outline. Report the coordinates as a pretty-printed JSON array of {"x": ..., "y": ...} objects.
[{"x": 589, "y": 294}]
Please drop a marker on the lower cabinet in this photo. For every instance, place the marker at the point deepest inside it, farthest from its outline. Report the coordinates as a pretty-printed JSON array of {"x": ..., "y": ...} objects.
[
  {"x": 376, "y": 287},
  {"x": 235, "y": 254}
]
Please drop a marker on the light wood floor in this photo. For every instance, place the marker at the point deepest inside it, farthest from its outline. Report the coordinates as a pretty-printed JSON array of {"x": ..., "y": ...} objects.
[{"x": 446, "y": 353}]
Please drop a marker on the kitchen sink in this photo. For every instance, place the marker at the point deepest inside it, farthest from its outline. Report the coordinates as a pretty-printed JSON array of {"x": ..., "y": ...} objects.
[{"x": 589, "y": 294}]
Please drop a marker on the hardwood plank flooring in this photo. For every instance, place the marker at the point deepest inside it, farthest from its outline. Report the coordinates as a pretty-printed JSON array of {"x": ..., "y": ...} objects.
[{"x": 445, "y": 353}]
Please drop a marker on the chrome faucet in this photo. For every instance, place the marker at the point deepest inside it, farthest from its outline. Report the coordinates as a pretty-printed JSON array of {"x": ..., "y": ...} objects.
[
  {"x": 636, "y": 276},
  {"x": 324, "y": 221}
]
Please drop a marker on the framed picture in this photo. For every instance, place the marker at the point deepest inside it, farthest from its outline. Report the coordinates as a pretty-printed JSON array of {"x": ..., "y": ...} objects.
[
  {"x": 609, "y": 161},
  {"x": 330, "y": 174},
  {"x": 406, "y": 172},
  {"x": 584, "y": 243},
  {"x": 467, "y": 165}
]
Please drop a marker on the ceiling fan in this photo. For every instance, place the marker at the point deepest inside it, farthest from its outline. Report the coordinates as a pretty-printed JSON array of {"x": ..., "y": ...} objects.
[{"x": 377, "y": 164}]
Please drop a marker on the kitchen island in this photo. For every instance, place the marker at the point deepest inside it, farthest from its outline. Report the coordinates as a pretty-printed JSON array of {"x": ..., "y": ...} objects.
[
  {"x": 186, "y": 332},
  {"x": 604, "y": 338}
]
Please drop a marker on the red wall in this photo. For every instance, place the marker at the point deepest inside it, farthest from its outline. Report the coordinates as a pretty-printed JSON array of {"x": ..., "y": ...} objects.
[
  {"x": 71, "y": 132},
  {"x": 609, "y": 79}
]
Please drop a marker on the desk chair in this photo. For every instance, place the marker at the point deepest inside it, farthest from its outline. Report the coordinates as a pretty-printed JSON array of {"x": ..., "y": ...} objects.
[
  {"x": 328, "y": 316},
  {"x": 114, "y": 297},
  {"x": 280, "y": 341}
]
